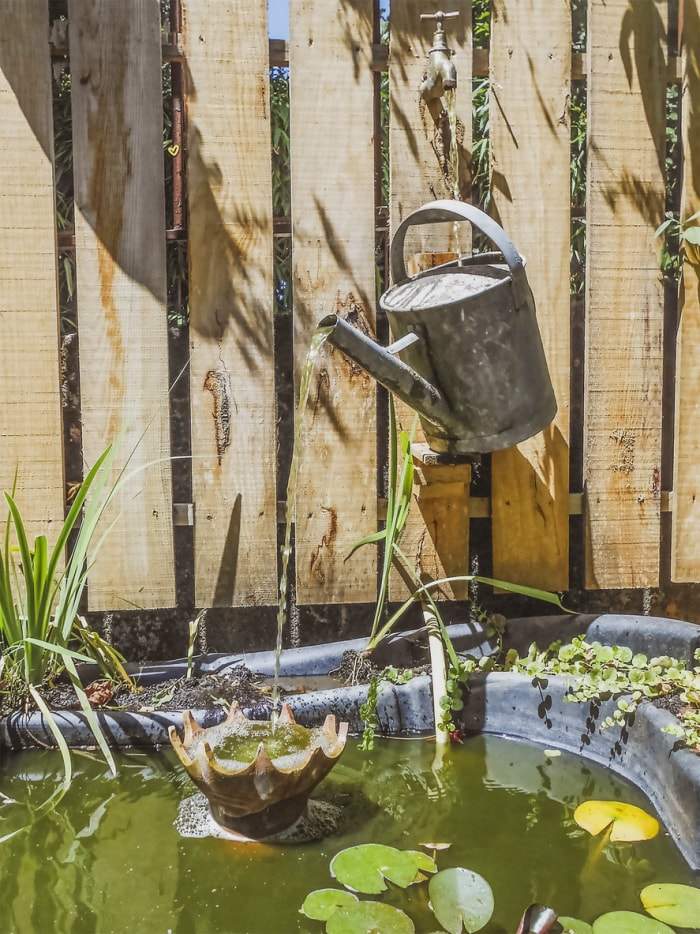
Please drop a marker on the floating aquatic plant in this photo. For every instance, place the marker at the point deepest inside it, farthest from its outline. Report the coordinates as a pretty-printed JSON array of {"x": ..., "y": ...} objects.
[
  {"x": 461, "y": 898},
  {"x": 367, "y": 867},
  {"x": 625, "y": 822},
  {"x": 673, "y": 903}
]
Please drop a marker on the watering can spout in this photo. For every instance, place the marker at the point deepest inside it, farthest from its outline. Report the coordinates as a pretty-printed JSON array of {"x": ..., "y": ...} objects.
[{"x": 389, "y": 371}]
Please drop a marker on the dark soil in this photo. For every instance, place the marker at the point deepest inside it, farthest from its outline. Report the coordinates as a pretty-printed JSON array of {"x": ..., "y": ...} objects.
[
  {"x": 251, "y": 691},
  {"x": 196, "y": 693}
]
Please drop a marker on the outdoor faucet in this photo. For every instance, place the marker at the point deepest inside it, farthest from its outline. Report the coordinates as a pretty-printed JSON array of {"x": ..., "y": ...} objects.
[{"x": 442, "y": 74}]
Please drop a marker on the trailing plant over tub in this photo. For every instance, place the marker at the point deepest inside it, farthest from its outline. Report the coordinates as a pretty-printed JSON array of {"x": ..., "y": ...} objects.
[{"x": 603, "y": 672}]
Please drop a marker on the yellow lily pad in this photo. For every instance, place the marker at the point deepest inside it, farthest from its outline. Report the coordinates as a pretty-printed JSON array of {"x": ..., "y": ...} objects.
[{"x": 627, "y": 823}]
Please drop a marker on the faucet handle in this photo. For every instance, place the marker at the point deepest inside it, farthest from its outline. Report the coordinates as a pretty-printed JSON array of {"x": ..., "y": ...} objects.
[{"x": 439, "y": 16}]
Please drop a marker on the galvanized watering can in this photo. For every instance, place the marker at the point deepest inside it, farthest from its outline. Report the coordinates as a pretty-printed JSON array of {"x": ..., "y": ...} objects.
[{"x": 471, "y": 358}]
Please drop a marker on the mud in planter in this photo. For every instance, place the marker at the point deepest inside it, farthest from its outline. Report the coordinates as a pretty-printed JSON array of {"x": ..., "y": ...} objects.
[{"x": 507, "y": 705}]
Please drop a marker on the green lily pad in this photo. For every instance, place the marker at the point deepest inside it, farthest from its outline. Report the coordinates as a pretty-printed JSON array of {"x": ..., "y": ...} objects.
[
  {"x": 368, "y": 918},
  {"x": 673, "y": 903},
  {"x": 322, "y": 903},
  {"x": 364, "y": 868},
  {"x": 461, "y": 897},
  {"x": 629, "y": 823},
  {"x": 574, "y": 926},
  {"x": 628, "y": 922}
]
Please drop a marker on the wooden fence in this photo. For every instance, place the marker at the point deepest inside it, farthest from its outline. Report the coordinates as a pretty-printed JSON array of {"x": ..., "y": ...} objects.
[{"x": 596, "y": 491}]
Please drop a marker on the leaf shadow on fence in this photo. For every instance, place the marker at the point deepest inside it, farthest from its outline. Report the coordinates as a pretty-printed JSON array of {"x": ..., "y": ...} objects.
[
  {"x": 691, "y": 92},
  {"x": 352, "y": 303},
  {"x": 226, "y": 578},
  {"x": 642, "y": 23},
  {"x": 19, "y": 68},
  {"x": 221, "y": 293}
]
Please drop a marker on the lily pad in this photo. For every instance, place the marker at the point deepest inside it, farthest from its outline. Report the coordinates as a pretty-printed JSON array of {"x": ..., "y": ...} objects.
[
  {"x": 574, "y": 926},
  {"x": 364, "y": 868},
  {"x": 461, "y": 897},
  {"x": 629, "y": 823},
  {"x": 368, "y": 918},
  {"x": 628, "y": 922},
  {"x": 673, "y": 903},
  {"x": 323, "y": 903}
]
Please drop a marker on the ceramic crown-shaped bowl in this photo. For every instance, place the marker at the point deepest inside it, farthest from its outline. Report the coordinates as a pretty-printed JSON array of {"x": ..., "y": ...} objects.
[{"x": 266, "y": 795}]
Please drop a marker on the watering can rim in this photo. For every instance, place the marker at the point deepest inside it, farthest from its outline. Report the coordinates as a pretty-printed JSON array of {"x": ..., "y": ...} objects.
[
  {"x": 440, "y": 211},
  {"x": 388, "y": 301}
]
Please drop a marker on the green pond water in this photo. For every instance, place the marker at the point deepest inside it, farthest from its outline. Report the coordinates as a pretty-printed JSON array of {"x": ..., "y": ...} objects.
[{"x": 133, "y": 854}]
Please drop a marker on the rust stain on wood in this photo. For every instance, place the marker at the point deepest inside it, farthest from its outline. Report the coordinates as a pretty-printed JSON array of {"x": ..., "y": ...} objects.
[
  {"x": 350, "y": 309},
  {"x": 218, "y": 383},
  {"x": 321, "y": 559},
  {"x": 625, "y": 441}
]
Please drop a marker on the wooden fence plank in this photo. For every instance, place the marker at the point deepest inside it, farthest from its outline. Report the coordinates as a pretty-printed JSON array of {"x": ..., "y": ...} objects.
[
  {"x": 332, "y": 156},
  {"x": 120, "y": 257},
  {"x": 231, "y": 303},
  {"x": 30, "y": 400},
  {"x": 685, "y": 564},
  {"x": 624, "y": 325},
  {"x": 530, "y": 146},
  {"x": 420, "y": 173}
]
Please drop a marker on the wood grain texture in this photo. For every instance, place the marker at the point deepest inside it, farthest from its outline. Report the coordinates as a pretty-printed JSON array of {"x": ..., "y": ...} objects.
[
  {"x": 30, "y": 400},
  {"x": 530, "y": 145},
  {"x": 231, "y": 303},
  {"x": 419, "y": 145},
  {"x": 624, "y": 298},
  {"x": 120, "y": 258},
  {"x": 332, "y": 156},
  {"x": 685, "y": 564}
]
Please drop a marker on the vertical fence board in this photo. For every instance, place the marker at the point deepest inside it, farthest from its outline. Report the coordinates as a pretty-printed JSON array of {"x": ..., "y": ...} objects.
[
  {"x": 530, "y": 147},
  {"x": 420, "y": 173},
  {"x": 332, "y": 156},
  {"x": 30, "y": 413},
  {"x": 120, "y": 258},
  {"x": 685, "y": 565},
  {"x": 624, "y": 326},
  {"x": 231, "y": 304}
]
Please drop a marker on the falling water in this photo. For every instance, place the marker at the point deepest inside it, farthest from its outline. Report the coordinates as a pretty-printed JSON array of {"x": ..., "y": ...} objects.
[
  {"x": 453, "y": 157},
  {"x": 319, "y": 336}
]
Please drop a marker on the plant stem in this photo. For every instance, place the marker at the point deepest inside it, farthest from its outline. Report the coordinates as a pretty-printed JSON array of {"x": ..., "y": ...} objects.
[{"x": 437, "y": 667}]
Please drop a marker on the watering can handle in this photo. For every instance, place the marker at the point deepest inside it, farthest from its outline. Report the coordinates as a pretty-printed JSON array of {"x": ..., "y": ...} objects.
[{"x": 436, "y": 212}]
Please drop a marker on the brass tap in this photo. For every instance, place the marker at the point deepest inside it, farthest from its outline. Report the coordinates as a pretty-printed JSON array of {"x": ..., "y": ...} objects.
[{"x": 442, "y": 74}]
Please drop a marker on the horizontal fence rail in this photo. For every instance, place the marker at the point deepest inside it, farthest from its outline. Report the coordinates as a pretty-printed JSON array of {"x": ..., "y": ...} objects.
[{"x": 150, "y": 196}]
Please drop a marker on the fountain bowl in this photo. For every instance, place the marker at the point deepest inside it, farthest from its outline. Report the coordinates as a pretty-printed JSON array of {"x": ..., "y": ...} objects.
[{"x": 266, "y": 795}]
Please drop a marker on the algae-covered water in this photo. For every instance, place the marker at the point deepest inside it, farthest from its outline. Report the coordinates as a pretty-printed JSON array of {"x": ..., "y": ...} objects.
[{"x": 111, "y": 858}]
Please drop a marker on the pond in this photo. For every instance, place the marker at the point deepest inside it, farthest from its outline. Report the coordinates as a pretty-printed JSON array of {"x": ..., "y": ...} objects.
[{"x": 130, "y": 853}]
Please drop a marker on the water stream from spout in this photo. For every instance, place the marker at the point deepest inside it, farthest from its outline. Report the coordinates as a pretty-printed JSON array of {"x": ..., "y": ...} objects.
[
  {"x": 453, "y": 159},
  {"x": 317, "y": 340}
]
